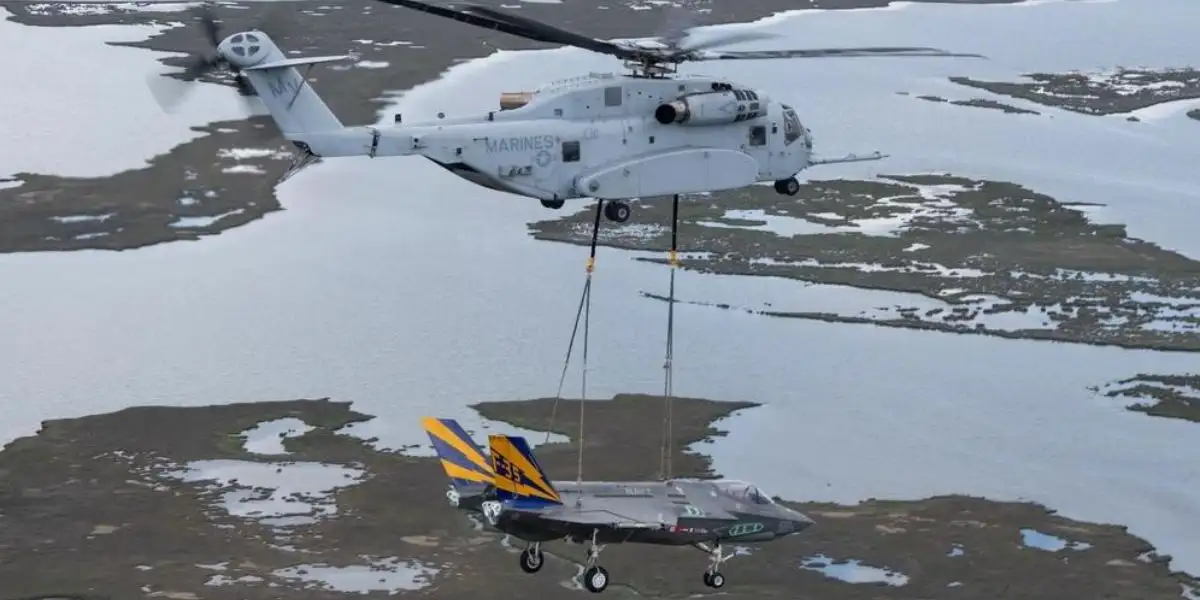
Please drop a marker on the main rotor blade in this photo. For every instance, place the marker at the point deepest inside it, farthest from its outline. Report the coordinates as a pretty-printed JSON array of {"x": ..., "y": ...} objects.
[
  {"x": 208, "y": 24},
  {"x": 677, "y": 23},
  {"x": 736, "y": 37},
  {"x": 828, "y": 53},
  {"x": 487, "y": 18},
  {"x": 552, "y": 34}
]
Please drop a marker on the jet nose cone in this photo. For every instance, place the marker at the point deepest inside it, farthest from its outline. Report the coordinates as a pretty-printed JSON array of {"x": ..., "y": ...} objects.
[{"x": 795, "y": 522}]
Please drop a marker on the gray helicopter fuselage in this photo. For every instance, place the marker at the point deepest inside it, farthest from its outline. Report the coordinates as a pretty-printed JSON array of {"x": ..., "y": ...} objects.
[{"x": 601, "y": 136}]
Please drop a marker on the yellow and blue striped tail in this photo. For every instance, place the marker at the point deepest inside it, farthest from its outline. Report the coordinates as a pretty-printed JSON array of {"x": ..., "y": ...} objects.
[
  {"x": 519, "y": 478},
  {"x": 462, "y": 459}
]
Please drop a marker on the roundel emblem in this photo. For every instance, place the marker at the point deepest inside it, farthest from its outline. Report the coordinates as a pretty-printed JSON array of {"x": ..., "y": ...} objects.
[
  {"x": 245, "y": 45},
  {"x": 542, "y": 158}
]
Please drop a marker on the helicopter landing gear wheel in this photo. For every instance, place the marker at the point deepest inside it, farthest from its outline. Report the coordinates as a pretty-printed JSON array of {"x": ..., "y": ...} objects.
[
  {"x": 595, "y": 579},
  {"x": 553, "y": 204},
  {"x": 714, "y": 580},
  {"x": 532, "y": 559},
  {"x": 617, "y": 212},
  {"x": 789, "y": 186}
]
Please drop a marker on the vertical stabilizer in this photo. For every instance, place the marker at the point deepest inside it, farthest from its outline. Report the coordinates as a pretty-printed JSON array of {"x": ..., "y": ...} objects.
[
  {"x": 464, "y": 461},
  {"x": 294, "y": 106},
  {"x": 519, "y": 477}
]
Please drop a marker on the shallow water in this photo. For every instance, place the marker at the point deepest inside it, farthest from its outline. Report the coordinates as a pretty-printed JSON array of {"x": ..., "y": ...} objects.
[{"x": 393, "y": 285}]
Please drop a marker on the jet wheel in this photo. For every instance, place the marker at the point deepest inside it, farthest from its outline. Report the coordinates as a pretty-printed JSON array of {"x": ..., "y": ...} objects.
[
  {"x": 554, "y": 204},
  {"x": 617, "y": 212},
  {"x": 714, "y": 580},
  {"x": 595, "y": 579},
  {"x": 532, "y": 560}
]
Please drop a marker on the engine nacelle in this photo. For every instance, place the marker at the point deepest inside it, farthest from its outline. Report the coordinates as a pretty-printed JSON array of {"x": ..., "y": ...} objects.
[
  {"x": 711, "y": 108},
  {"x": 513, "y": 100}
]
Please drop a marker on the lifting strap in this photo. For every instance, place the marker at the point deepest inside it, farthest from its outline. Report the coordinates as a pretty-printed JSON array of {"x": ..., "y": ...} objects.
[
  {"x": 668, "y": 378},
  {"x": 583, "y": 312}
]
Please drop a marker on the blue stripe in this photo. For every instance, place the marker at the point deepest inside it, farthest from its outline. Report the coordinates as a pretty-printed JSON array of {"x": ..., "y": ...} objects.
[{"x": 450, "y": 453}]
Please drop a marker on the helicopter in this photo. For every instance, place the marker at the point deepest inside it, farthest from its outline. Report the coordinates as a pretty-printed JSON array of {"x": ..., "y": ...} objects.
[{"x": 610, "y": 136}]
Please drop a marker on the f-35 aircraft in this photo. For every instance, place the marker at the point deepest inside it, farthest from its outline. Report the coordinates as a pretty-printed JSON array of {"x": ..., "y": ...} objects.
[{"x": 514, "y": 495}]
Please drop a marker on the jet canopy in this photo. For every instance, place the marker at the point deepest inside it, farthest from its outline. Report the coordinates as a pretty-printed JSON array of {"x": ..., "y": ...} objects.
[{"x": 744, "y": 491}]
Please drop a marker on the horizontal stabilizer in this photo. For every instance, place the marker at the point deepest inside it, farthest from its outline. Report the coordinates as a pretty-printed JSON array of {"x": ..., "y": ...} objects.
[
  {"x": 299, "y": 61},
  {"x": 519, "y": 477}
]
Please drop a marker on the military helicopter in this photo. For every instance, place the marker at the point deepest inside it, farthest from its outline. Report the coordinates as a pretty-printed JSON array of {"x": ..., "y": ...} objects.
[{"x": 646, "y": 132}]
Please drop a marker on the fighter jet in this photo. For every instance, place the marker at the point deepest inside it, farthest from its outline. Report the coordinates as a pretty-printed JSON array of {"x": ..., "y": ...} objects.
[{"x": 521, "y": 501}]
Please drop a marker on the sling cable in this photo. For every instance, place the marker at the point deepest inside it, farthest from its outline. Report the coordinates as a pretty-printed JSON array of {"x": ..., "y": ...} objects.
[
  {"x": 582, "y": 313},
  {"x": 667, "y": 450}
]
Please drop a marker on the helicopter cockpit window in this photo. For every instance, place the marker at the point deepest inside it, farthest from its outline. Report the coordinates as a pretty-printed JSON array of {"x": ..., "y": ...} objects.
[
  {"x": 746, "y": 492},
  {"x": 612, "y": 96},
  {"x": 791, "y": 125}
]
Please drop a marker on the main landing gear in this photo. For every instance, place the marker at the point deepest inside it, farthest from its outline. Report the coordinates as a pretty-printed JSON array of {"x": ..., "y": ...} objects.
[
  {"x": 788, "y": 187},
  {"x": 616, "y": 211},
  {"x": 532, "y": 558},
  {"x": 712, "y": 576},
  {"x": 595, "y": 577}
]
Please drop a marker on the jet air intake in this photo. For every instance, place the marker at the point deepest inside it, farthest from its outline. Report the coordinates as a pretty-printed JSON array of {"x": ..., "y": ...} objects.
[{"x": 711, "y": 108}]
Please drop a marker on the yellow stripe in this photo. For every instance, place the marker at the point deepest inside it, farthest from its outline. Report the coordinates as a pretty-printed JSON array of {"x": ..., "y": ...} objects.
[
  {"x": 456, "y": 472},
  {"x": 501, "y": 446},
  {"x": 439, "y": 430}
]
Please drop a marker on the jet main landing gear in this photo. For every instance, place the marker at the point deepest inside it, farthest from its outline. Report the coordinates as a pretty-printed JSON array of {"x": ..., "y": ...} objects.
[
  {"x": 532, "y": 558},
  {"x": 595, "y": 577},
  {"x": 617, "y": 211},
  {"x": 553, "y": 204}
]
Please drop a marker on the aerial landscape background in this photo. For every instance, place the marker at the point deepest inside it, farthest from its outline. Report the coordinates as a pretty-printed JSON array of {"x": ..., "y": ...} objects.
[{"x": 398, "y": 288}]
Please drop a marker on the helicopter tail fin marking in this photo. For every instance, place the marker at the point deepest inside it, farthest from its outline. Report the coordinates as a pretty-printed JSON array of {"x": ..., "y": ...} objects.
[
  {"x": 519, "y": 477},
  {"x": 293, "y": 104},
  {"x": 464, "y": 461}
]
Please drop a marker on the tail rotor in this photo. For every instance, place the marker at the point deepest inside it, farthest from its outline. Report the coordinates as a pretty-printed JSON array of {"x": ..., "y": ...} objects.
[{"x": 169, "y": 94}]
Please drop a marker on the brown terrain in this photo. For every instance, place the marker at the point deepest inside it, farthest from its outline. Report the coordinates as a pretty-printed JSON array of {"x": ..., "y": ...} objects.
[
  {"x": 988, "y": 257},
  {"x": 1170, "y": 396},
  {"x": 95, "y": 507},
  {"x": 1119, "y": 91}
]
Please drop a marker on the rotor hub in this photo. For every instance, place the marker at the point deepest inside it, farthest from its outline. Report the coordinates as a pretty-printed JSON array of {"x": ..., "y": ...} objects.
[{"x": 246, "y": 48}]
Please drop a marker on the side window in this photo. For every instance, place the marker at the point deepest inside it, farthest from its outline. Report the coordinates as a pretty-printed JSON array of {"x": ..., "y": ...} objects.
[
  {"x": 612, "y": 96},
  {"x": 570, "y": 151},
  {"x": 758, "y": 135}
]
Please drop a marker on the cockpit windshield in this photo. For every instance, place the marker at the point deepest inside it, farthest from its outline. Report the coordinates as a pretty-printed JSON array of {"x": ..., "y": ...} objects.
[
  {"x": 791, "y": 125},
  {"x": 746, "y": 492}
]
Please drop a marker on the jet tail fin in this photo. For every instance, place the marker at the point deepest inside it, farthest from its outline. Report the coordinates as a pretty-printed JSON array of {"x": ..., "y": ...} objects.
[
  {"x": 519, "y": 477},
  {"x": 463, "y": 460}
]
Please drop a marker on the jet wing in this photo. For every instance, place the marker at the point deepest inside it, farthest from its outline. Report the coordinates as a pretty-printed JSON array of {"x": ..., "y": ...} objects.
[{"x": 597, "y": 517}]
